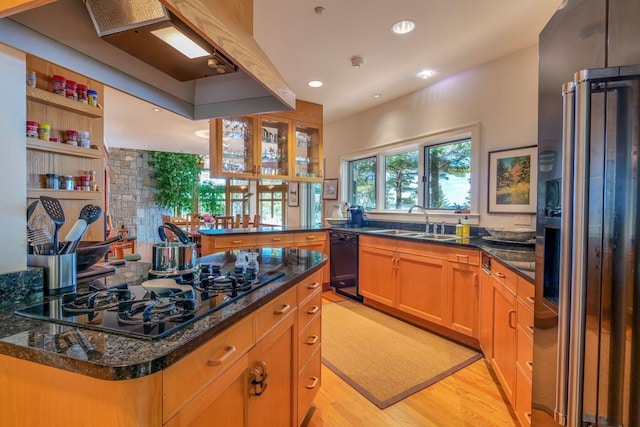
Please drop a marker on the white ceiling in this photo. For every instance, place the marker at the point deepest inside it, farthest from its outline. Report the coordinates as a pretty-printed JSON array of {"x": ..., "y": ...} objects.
[{"x": 450, "y": 36}]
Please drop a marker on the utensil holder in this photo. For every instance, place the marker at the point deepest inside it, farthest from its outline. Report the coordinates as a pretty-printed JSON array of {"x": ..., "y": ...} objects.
[{"x": 59, "y": 272}]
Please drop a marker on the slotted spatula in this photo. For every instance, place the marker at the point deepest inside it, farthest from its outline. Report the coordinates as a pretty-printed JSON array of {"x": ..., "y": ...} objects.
[
  {"x": 54, "y": 209},
  {"x": 90, "y": 214}
]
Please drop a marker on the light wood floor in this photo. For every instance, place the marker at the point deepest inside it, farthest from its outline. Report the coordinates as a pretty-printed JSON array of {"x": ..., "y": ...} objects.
[{"x": 470, "y": 397}]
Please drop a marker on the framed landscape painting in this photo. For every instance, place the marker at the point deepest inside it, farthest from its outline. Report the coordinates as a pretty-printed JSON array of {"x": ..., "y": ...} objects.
[
  {"x": 330, "y": 189},
  {"x": 513, "y": 177}
]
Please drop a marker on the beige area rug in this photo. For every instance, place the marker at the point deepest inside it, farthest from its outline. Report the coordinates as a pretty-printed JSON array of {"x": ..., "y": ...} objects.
[{"x": 384, "y": 358}]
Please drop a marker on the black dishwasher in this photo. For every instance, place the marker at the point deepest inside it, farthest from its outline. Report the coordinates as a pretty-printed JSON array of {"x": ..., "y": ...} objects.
[{"x": 344, "y": 263}]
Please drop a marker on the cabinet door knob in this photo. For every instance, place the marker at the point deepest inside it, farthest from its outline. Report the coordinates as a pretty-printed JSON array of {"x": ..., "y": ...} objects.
[
  {"x": 228, "y": 351},
  {"x": 312, "y": 340},
  {"x": 314, "y": 285},
  {"x": 500, "y": 275},
  {"x": 313, "y": 310}
]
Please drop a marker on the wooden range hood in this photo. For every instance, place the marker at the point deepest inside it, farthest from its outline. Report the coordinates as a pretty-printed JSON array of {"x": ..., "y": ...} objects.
[{"x": 224, "y": 24}]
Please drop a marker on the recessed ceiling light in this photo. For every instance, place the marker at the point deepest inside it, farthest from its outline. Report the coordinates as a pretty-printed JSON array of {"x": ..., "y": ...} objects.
[
  {"x": 425, "y": 74},
  {"x": 377, "y": 95},
  {"x": 403, "y": 27},
  {"x": 203, "y": 133},
  {"x": 315, "y": 83},
  {"x": 157, "y": 110}
]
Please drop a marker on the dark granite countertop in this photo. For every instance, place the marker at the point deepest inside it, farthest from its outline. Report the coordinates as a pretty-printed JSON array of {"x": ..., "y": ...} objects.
[
  {"x": 118, "y": 357},
  {"x": 518, "y": 257},
  {"x": 262, "y": 229}
]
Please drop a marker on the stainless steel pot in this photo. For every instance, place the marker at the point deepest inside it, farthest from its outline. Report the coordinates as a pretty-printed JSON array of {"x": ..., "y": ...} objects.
[{"x": 174, "y": 257}]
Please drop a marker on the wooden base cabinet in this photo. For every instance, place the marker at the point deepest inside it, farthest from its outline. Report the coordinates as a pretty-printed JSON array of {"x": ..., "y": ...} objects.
[
  {"x": 504, "y": 339},
  {"x": 432, "y": 282},
  {"x": 422, "y": 289},
  {"x": 377, "y": 274},
  {"x": 485, "y": 317}
]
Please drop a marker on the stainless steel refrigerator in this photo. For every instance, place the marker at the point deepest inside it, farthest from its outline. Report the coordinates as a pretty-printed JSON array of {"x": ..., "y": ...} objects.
[{"x": 586, "y": 362}]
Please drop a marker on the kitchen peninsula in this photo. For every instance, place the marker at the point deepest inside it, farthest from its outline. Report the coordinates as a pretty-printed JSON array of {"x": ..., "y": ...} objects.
[{"x": 183, "y": 378}]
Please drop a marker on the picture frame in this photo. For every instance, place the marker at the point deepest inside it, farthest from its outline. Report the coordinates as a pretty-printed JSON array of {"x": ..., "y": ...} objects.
[
  {"x": 513, "y": 179},
  {"x": 293, "y": 194},
  {"x": 330, "y": 189}
]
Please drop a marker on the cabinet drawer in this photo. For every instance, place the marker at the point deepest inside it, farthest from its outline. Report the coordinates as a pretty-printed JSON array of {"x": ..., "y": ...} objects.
[
  {"x": 275, "y": 239},
  {"x": 274, "y": 311},
  {"x": 524, "y": 357},
  {"x": 308, "y": 385},
  {"x": 526, "y": 292},
  {"x": 422, "y": 249},
  {"x": 237, "y": 241},
  {"x": 503, "y": 275},
  {"x": 523, "y": 398},
  {"x": 308, "y": 286},
  {"x": 464, "y": 256},
  {"x": 309, "y": 341},
  {"x": 189, "y": 375},
  {"x": 377, "y": 242},
  {"x": 525, "y": 319},
  {"x": 309, "y": 309},
  {"x": 316, "y": 236}
]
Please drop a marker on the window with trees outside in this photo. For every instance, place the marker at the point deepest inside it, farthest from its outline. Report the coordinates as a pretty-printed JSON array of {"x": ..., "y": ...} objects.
[
  {"x": 362, "y": 182},
  {"x": 401, "y": 180},
  {"x": 434, "y": 171},
  {"x": 448, "y": 175}
]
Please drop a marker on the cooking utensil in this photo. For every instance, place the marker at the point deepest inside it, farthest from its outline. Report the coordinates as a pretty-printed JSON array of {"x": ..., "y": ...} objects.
[
  {"x": 39, "y": 230},
  {"x": 174, "y": 258},
  {"x": 89, "y": 253},
  {"x": 54, "y": 209},
  {"x": 30, "y": 209},
  {"x": 75, "y": 234},
  {"x": 162, "y": 233},
  {"x": 90, "y": 214}
]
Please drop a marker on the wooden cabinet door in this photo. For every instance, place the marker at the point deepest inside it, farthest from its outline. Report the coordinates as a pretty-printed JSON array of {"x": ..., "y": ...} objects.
[
  {"x": 485, "y": 307},
  {"x": 223, "y": 401},
  {"x": 504, "y": 338},
  {"x": 422, "y": 287},
  {"x": 377, "y": 274},
  {"x": 463, "y": 298},
  {"x": 271, "y": 362}
]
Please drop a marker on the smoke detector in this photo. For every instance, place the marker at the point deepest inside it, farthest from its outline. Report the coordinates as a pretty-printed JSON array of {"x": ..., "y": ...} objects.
[{"x": 357, "y": 61}]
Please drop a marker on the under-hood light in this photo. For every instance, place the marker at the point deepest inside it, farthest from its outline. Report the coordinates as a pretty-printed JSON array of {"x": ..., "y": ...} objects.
[{"x": 183, "y": 44}]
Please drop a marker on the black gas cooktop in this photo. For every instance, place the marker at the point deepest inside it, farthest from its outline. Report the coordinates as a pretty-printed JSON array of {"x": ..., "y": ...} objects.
[{"x": 156, "y": 308}]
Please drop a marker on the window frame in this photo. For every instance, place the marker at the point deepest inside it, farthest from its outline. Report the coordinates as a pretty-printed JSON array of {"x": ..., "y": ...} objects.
[{"x": 419, "y": 143}]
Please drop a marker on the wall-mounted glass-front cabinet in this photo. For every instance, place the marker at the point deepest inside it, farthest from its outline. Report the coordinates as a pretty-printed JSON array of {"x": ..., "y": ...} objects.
[
  {"x": 285, "y": 145},
  {"x": 274, "y": 146},
  {"x": 308, "y": 150}
]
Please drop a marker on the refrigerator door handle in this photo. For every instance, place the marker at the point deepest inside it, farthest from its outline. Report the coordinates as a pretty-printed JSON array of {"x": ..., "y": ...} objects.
[
  {"x": 562, "y": 362},
  {"x": 579, "y": 243}
]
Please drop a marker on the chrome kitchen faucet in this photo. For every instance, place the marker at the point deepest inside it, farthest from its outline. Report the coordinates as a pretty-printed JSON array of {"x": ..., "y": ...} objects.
[{"x": 426, "y": 217}]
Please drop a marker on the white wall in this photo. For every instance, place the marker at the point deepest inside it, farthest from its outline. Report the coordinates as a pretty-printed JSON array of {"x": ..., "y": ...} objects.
[
  {"x": 502, "y": 96},
  {"x": 13, "y": 154}
]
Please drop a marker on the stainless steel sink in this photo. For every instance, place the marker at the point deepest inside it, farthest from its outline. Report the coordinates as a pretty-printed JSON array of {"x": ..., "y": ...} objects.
[
  {"x": 394, "y": 232},
  {"x": 430, "y": 236}
]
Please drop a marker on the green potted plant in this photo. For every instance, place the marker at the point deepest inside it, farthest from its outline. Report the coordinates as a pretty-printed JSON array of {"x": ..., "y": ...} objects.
[{"x": 177, "y": 176}]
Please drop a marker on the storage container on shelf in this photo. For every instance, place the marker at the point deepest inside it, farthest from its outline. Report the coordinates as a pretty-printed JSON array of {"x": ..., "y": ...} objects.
[
  {"x": 59, "y": 85},
  {"x": 53, "y": 181},
  {"x": 82, "y": 93},
  {"x": 92, "y": 97},
  {"x": 32, "y": 129},
  {"x": 72, "y": 90},
  {"x": 44, "y": 131},
  {"x": 72, "y": 137}
]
